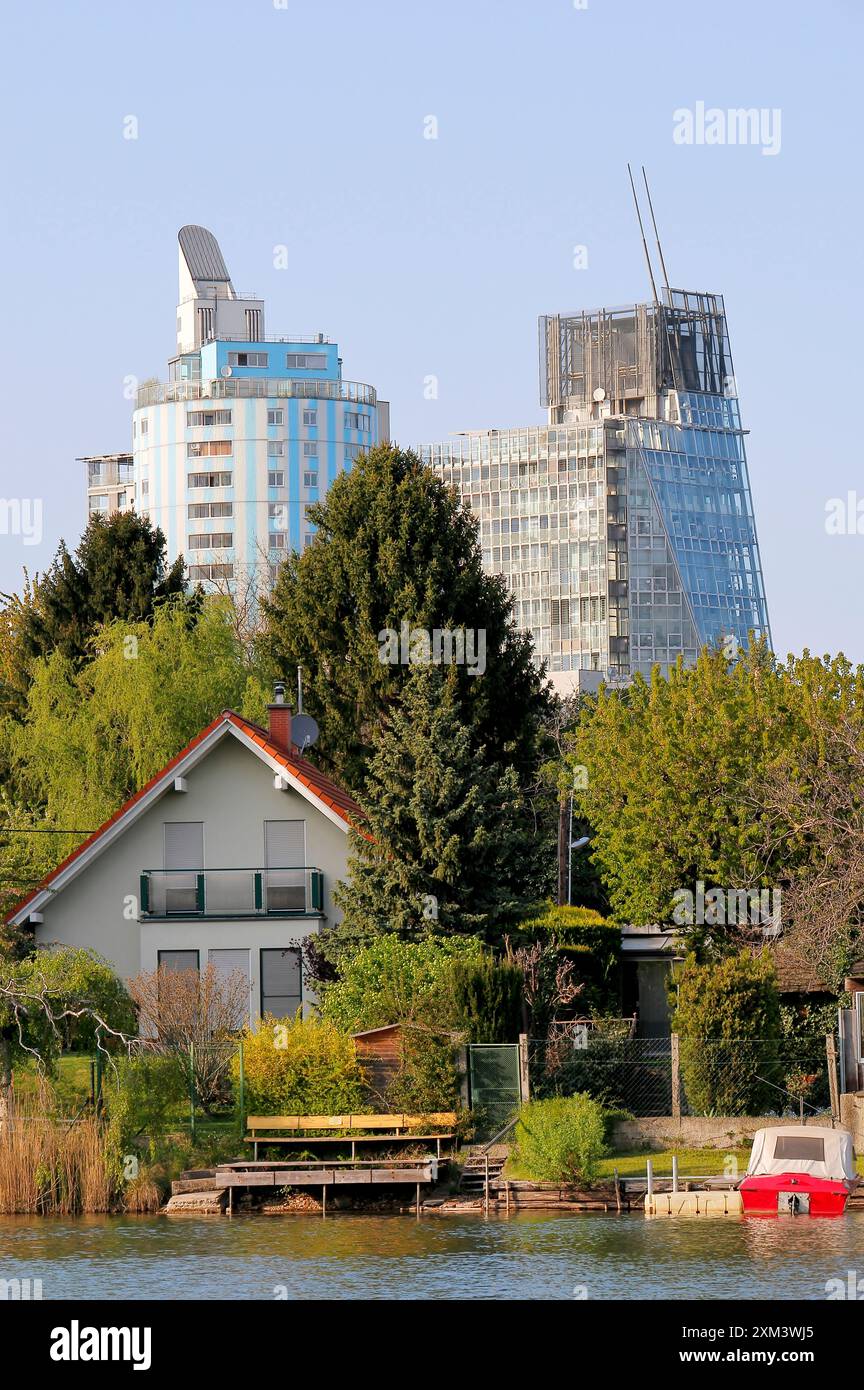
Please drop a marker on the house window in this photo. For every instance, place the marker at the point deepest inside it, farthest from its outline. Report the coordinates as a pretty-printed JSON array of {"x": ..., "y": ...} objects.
[
  {"x": 275, "y": 448},
  {"x": 310, "y": 479},
  {"x": 310, "y": 450},
  {"x": 284, "y": 858},
  {"x": 178, "y": 960},
  {"x": 210, "y": 479},
  {"x": 199, "y": 572},
  {"x": 208, "y": 448},
  {"x": 184, "y": 858},
  {"x": 275, "y": 479},
  {"x": 275, "y": 417},
  {"x": 145, "y": 426},
  {"x": 310, "y": 419},
  {"x": 281, "y": 982},
  {"x": 306, "y": 361},
  {"x": 208, "y": 417},
  {"x": 213, "y": 540},
  {"x": 356, "y": 421},
  {"x": 227, "y": 962},
  {"x": 197, "y": 510},
  {"x": 98, "y": 504},
  {"x": 248, "y": 359}
]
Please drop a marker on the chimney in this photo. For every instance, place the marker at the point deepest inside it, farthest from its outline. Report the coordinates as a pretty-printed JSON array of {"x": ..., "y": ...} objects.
[{"x": 279, "y": 720}]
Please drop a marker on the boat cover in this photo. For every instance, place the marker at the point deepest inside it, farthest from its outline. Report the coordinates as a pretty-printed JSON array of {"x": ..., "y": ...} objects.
[{"x": 814, "y": 1149}]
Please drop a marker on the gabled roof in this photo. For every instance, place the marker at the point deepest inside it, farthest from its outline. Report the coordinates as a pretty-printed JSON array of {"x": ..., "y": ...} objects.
[{"x": 301, "y": 775}]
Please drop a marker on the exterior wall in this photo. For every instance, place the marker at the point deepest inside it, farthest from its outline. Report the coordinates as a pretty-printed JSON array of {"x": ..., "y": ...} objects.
[
  {"x": 231, "y": 791},
  {"x": 324, "y": 449}
]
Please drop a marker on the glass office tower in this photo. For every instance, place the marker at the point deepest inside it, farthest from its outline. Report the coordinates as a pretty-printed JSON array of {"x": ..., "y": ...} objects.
[{"x": 624, "y": 527}]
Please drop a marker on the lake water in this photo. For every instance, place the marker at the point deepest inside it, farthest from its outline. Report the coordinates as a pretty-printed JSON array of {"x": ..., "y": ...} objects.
[{"x": 545, "y": 1255}]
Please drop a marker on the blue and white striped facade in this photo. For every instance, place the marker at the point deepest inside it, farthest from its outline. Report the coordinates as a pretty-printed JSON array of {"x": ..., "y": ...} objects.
[{"x": 246, "y": 433}]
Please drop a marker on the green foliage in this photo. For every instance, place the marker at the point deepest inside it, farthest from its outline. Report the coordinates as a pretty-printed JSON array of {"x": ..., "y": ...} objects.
[
  {"x": 119, "y": 571},
  {"x": 41, "y": 993},
  {"x": 488, "y": 995},
  {"x": 676, "y": 766},
  {"x": 427, "y": 1080},
  {"x": 561, "y": 1139},
  {"x": 394, "y": 544},
  {"x": 143, "y": 1096},
  {"x": 92, "y": 736},
  {"x": 394, "y": 981},
  {"x": 592, "y": 944},
  {"x": 727, "y": 1016},
  {"x": 300, "y": 1066},
  {"x": 454, "y": 846}
]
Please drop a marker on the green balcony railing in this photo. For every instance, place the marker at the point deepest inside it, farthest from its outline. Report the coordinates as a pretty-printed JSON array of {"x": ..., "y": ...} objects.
[{"x": 256, "y": 892}]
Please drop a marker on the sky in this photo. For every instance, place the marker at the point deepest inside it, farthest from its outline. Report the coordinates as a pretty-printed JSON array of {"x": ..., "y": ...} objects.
[{"x": 306, "y": 127}]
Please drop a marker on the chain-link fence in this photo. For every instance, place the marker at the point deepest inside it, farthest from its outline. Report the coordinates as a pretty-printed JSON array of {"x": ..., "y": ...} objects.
[{"x": 667, "y": 1076}]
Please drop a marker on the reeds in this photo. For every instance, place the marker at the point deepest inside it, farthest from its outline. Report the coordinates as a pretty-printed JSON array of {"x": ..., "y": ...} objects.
[{"x": 54, "y": 1167}]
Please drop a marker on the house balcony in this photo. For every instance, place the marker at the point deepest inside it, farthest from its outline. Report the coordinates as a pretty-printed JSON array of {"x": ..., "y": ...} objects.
[{"x": 208, "y": 893}]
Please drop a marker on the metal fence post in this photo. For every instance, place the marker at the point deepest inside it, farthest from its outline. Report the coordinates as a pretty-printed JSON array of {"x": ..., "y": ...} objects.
[
  {"x": 241, "y": 1092},
  {"x": 192, "y": 1091}
]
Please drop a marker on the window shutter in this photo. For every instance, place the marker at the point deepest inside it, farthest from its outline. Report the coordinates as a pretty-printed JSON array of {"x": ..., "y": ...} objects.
[
  {"x": 184, "y": 845},
  {"x": 284, "y": 844}
]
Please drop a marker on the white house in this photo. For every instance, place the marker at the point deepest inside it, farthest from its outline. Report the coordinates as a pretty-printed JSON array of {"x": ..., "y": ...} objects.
[{"x": 229, "y": 855}]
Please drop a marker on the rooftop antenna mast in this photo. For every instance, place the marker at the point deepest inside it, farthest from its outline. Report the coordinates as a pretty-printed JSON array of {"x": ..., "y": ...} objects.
[
  {"x": 644, "y": 242},
  {"x": 656, "y": 235}
]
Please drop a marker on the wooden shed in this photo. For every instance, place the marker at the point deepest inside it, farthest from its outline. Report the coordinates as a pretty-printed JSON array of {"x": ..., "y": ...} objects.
[{"x": 380, "y": 1054}]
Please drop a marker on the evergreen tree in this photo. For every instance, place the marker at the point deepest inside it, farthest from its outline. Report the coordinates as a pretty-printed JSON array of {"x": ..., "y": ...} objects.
[
  {"x": 118, "y": 571},
  {"x": 394, "y": 546},
  {"x": 449, "y": 843}
]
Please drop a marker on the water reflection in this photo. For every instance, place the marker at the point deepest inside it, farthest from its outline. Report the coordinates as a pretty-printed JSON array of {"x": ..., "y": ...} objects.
[{"x": 539, "y": 1255}]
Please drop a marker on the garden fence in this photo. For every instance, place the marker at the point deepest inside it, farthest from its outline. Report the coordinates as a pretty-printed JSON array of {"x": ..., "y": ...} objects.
[{"x": 670, "y": 1076}]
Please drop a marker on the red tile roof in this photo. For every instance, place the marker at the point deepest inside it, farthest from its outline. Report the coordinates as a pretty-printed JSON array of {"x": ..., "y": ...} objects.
[{"x": 321, "y": 787}]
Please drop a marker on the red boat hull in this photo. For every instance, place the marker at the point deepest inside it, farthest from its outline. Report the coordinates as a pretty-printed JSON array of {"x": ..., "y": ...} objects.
[{"x": 794, "y": 1192}]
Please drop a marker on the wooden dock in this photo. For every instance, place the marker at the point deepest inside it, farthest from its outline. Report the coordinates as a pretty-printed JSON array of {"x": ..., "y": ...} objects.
[{"x": 263, "y": 1177}]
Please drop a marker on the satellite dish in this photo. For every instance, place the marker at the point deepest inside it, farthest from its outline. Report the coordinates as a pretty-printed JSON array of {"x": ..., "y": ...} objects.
[
  {"x": 599, "y": 394},
  {"x": 304, "y": 731},
  {"x": 225, "y": 371}
]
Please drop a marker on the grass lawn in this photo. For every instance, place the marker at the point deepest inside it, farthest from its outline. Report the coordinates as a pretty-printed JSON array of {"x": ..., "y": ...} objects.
[
  {"x": 702, "y": 1163},
  {"x": 691, "y": 1163}
]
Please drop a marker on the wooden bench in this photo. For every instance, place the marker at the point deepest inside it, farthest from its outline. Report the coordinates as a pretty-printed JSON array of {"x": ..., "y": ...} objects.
[{"x": 356, "y": 1129}]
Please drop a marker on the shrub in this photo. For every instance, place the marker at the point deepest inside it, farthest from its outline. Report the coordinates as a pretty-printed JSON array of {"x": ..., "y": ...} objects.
[
  {"x": 300, "y": 1066},
  {"x": 393, "y": 981},
  {"x": 727, "y": 1016},
  {"x": 562, "y": 1139},
  {"x": 427, "y": 1080},
  {"x": 589, "y": 942},
  {"x": 488, "y": 996},
  {"x": 143, "y": 1097}
]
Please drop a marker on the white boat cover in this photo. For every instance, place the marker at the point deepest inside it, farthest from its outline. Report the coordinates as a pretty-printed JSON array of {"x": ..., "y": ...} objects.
[{"x": 813, "y": 1149}]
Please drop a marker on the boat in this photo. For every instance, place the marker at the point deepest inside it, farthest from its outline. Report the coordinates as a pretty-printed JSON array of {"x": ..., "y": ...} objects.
[{"x": 799, "y": 1170}]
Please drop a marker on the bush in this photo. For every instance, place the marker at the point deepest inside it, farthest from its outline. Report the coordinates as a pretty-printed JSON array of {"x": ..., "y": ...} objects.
[
  {"x": 300, "y": 1066},
  {"x": 488, "y": 995},
  {"x": 427, "y": 1080},
  {"x": 561, "y": 1140},
  {"x": 143, "y": 1098},
  {"x": 592, "y": 944},
  {"x": 727, "y": 1016},
  {"x": 393, "y": 981}
]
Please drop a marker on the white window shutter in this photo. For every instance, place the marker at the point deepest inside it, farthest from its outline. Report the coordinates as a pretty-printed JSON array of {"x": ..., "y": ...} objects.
[
  {"x": 284, "y": 844},
  {"x": 184, "y": 844}
]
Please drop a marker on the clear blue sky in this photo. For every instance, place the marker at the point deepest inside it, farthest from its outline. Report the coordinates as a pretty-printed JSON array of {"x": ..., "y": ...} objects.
[{"x": 304, "y": 126}]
